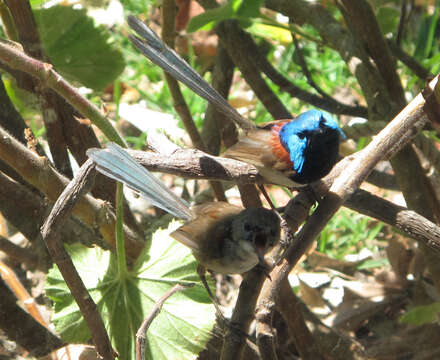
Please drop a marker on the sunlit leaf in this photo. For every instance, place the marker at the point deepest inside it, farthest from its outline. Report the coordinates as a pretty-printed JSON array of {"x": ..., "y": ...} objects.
[
  {"x": 181, "y": 329},
  {"x": 271, "y": 32},
  {"x": 210, "y": 18},
  {"x": 245, "y": 11},
  {"x": 423, "y": 314},
  {"x": 77, "y": 48}
]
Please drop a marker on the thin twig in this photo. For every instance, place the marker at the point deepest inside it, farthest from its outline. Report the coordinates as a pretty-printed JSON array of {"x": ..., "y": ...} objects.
[
  {"x": 223, "y": 127},
  {"x": 8, "y": 22},
  {"x": 236, "y": 42},
  {"x": 306, "y": 344},
  {"x": 18, "y": 253},
  {"x": 368, "y": 29},
  {"x": 410, "y": 62},
  {"x": 243, "y": 315},
  {"x": 240, "y": 44},
  {"x": 304, "y": 68},
  {"x": 402, "y": 22},
  {"x": 10, "y": 278},
  {"x": 51, "y": 235},
  {"x": 51, "y": 110},
  {"x": 26, "y": 210},
  {"x": 215, "y": 123},
  {"x": 320, "y": 339},
  {"x": 141, "y": 333}
]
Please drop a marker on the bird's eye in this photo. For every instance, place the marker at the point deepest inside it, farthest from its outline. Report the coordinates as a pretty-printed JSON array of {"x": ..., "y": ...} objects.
[
  {"x": 301, "y": 135},
  {"x": 323, "y": 122}
]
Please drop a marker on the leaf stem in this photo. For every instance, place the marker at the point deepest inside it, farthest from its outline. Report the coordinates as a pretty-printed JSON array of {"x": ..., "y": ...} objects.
[{"x": 120, "y": 249}]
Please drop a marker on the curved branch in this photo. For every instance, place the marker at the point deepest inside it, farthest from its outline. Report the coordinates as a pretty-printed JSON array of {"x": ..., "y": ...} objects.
[
  {"x": 38, "y": 172},
  {"x": 17, "y": 60}
]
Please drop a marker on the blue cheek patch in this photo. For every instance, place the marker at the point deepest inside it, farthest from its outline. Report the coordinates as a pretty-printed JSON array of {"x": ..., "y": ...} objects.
[{"x": 295, "y": 146}]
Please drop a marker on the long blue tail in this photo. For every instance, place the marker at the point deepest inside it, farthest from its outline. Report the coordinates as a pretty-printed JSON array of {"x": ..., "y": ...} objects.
[
  {"x": 160, "y": 54},
  {"x": 117, "y": 164}
]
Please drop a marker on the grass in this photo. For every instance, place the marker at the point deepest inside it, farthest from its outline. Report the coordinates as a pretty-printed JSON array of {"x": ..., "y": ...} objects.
[{"x": 348, "y": 232}]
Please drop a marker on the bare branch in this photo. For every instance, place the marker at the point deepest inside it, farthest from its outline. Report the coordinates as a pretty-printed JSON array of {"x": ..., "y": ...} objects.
[
  {"x": 412, "y": 64},
  {"x": 37, "y": 171},
  {"x": 51, "y": 235},
  {"x": 342, "y": 188},
  {"x": 30, "y": 334},
  {"x": 18, "y": 253},
  {"x": 17, "y": 60}
]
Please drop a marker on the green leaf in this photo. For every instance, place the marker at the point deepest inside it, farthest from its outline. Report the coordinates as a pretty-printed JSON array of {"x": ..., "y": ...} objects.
[
  {"x": 388, "y": 18},
  {"x": 271, "y": 32},
  {"x": 181, "y": 329},
  {"x": 77, "y": 48},
  {"x": 245, "y": 11},
  {"x": 426, "y": 36},
  {"x": 210, "y": 18},
  {"x": 424, "y": 314},
  {"x": 250, "y": 9}
]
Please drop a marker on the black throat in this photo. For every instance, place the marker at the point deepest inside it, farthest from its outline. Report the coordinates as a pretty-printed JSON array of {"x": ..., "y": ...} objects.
[{"x": 320, "y": 155}]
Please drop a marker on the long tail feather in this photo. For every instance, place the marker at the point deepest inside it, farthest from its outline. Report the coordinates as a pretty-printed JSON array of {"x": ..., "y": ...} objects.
[
  {"x": 117, "y": 164},
  {"x": 160, "y": 54}
]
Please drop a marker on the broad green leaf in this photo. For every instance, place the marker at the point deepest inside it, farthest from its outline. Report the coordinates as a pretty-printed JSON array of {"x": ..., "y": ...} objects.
[
  {"x": 181, "y": 329},
  {"x": 77, "y": 48},
  {"x": 424, "y": 314}
]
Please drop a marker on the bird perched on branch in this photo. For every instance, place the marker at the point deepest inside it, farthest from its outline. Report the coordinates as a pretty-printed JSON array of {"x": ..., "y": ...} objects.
[
  {"x": 224, "y": 238},
  {"x": 301, "y": 150},
  {"x": 292, "y": 152}
]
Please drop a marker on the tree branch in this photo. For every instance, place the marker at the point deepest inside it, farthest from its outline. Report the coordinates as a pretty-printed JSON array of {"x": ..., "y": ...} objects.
[
  {"x": 51, "y": 235},
  {"x": 17, "y": 60},
  {"x": 37, "y": 171},
  {"x": 21, "y": 327},
  {"x": 342, "y": 188}
]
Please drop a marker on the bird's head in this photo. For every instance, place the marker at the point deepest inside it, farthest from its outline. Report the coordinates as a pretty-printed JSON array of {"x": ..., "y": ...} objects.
[
  {"x": 310, "y": 134},
  {"x": 256, "y": 229}
]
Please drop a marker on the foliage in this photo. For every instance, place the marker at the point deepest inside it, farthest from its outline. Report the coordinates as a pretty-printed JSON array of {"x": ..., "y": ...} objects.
[
  {"x": 186, "y": 318},
  {"x": 77, "y": 48},
  {"x": 423, "y": 314},
  {"x": 347, "y": 233},
  {"x": 96, "y": 57}
]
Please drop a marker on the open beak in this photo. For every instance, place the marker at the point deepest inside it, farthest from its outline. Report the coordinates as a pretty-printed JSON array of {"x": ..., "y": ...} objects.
[{"x": 260, "y": 247}]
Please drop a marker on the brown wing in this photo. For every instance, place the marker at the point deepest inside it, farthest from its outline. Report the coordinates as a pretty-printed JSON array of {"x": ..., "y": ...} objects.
[
  {"x": 207, "y": 215},
  {"x": 262, "y": 149}
]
